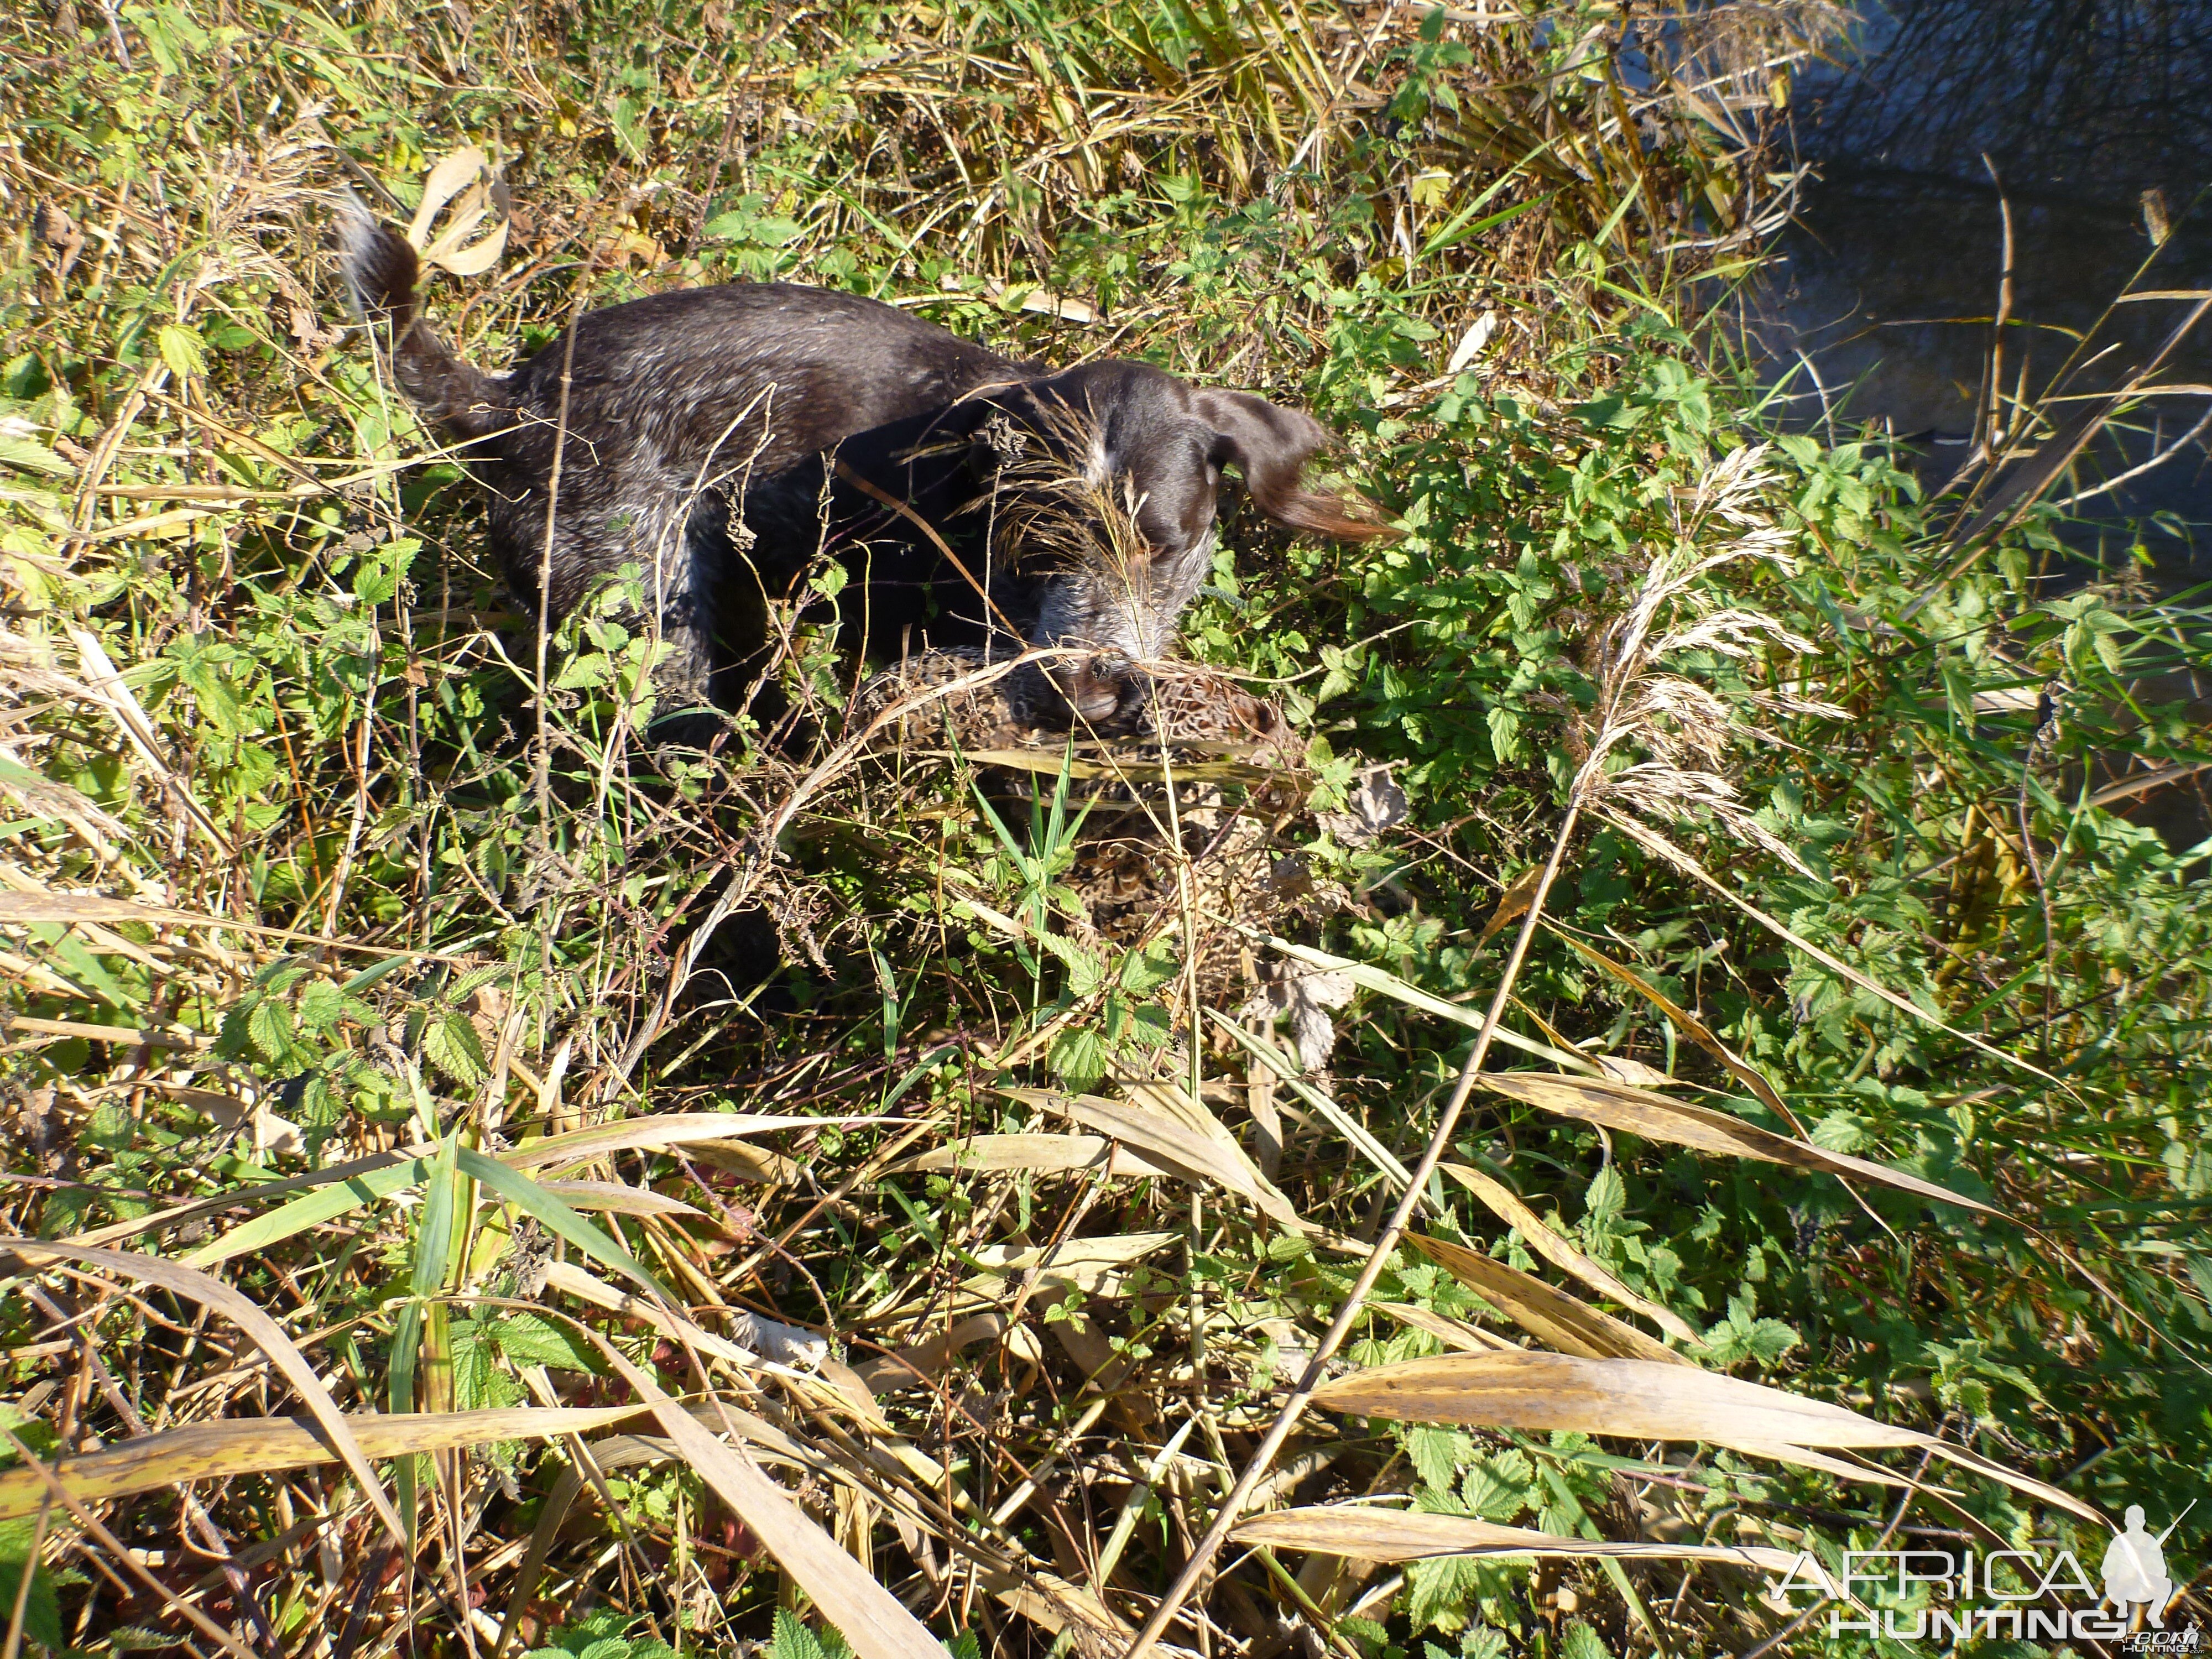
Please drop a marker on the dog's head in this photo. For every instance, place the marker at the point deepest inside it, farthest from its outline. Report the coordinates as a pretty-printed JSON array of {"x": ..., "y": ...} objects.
[{"x": 1113, "y": 470}]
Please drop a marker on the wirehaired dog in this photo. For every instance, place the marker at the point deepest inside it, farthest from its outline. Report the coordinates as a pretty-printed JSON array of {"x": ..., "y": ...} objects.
[{"x": 720, "y": 437}]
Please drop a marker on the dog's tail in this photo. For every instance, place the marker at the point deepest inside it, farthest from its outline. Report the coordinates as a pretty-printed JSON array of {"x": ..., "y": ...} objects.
[{"x": 382, "y": 270}]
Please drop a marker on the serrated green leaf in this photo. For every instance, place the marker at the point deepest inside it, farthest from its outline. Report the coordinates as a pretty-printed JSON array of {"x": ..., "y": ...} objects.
[
  {"x": 182, "y": 348},
  {"x": 268, "y": 1028},
  {"x": 450, "y": 1042},
  {"x": 1438, "y": 1589},
  {"x": 1145, "y": 971},
  {"x": 791, "y": 1639},
  {"x": 1085, "y": 970},
  {"x": 1078, "y": 1058},
  {"x": 1436, "y": 1454},
  {"x": 322, "y": 1006},
  {"x": 478, "y": 1383},
  {"x": 42, "y": 1609},
  {"x": 1489, "y": 1494},
  {"x": 31, "y": 456},
  {"x": 1505, "y": 734},
  {"x": 531, "y": 1339},
  {"x": 1606, "y": 1199}
]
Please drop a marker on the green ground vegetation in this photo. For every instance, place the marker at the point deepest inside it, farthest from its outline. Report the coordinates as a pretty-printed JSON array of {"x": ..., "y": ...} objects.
[{"x": 1861, "y": 797}]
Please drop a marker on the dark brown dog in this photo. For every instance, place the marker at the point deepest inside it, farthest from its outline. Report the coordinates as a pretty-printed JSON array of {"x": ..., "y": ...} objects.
[{"x": 719, "y": 438}]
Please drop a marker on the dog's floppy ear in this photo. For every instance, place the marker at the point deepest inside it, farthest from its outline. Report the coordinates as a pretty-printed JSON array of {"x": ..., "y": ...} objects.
[{"x": 1272, "y": 446}]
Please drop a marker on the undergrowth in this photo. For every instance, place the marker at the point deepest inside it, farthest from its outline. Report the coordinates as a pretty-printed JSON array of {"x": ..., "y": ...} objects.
[{"x": 364, "y": 971}]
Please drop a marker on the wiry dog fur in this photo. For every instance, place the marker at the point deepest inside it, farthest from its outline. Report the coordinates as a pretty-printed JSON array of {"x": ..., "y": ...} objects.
[{"x": 711, "y": 433}]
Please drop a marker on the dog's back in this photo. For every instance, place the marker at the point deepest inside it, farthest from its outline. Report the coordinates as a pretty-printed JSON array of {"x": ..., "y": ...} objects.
[
  {"x": 756, "y": 374},
  {"x": 692, "y": 435},
  {"x": 674, "y": 403}
]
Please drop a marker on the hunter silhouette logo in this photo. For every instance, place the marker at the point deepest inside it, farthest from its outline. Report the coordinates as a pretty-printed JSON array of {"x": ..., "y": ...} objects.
[{"x": 2135, "y": 1569}]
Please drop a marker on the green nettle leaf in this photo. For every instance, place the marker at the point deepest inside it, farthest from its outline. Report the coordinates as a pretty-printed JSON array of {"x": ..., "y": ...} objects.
[
  {"x": 182, "y": 348},
  {"x": 1607, "y": 1197},
  {"x": 1436, "y": 1454},
  {"x": 450, "y": 1042},
  {"x": 1078, "y": 1058},
  {"x": 1505, "y": 734},
  {"x": 1487, "y": 1494},
  {"x": 603, "y": 1634},
  {"x": 42, "y": 1608},
  {"x": 477, "y": 1380},
  {"x": 1840, "y": 1131},
  {"x": 793, "y": 1640},
  {"x": 268, "y": 1028},
  {"x": 322, "y": 1006},
  {"x": 217, "y": 701},
  {"x": 1742, "y": 1335},
  {"x": 1581, "y": 1642},
  {"x": 1437, "y": 1592},
  {"x": 1145, "y": 971},
  {"x": 531, "y": 1340},
  {"x": 582, "y": 671},
  {"x": 1085, "y": 970}
]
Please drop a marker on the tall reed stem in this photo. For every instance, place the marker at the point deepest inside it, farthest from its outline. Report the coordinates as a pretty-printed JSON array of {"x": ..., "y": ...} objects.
[{"x": 1232, "y": 1506}]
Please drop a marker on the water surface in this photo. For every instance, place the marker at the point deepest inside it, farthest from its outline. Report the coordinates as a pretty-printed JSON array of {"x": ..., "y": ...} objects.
[{"x": 2091, "y": 119}]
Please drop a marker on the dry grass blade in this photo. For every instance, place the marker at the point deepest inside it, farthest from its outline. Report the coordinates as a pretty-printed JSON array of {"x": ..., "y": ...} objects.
[
  {"x": 571, "y": 1280},
  {"x": 1034, "y": 1154},
  {"x": 867, "y": 1616},
  {"x": 1381, "y": 980},
  {"x": 918, "y": 1362},
  {"x": 234, "y": 1446},
  {"x": 1657, "y": 1117},
  {"x": 1089, "y": 1265},
  {"x": 1379, "y": 1534},
  {"x": 1284, "y": 1072},
  {"x": 1691, "y": 1027},
  {"x": 1633, "y": 1399},
  {"x": 617, "y": 1198},
  {"x": 654, "y": 1133},
  {"x": 1513, "y": 903},
  {"x": 1453, "y": 1333},
  {"x": 1550, "y": 1315},
  {"x": 266, "y": 1334},
  {"x": 136, "y": 1037},
  {"x": 115, "y": 1547},
  {"x": 1169, "y": 1128},
  {"x": 1542, "y": 1241},
  {"x": 28, "y": 907}
]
